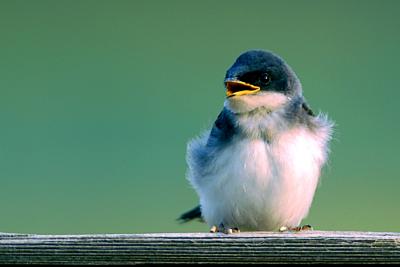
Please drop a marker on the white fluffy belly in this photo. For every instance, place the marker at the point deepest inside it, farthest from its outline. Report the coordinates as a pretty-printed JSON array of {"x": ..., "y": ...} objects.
[{"x": 261, "y": 186}]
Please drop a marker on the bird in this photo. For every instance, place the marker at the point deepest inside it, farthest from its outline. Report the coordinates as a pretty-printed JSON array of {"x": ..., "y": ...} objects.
[{"x": 258, "y": 167}]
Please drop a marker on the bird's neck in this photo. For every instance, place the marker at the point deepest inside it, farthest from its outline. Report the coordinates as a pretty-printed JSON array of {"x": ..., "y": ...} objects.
[
  {"x": 265, "y": 123},
  {"x": 261, "y": 123}
]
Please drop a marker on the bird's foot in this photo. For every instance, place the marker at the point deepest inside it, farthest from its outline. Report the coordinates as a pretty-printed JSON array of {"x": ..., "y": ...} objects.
[
  {"x": 306, "y": 227},
  {"x": 222, "y": 229}
]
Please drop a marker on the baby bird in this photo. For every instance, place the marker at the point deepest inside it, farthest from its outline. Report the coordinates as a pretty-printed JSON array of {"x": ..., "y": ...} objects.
[{"x": 258, "y": 167}]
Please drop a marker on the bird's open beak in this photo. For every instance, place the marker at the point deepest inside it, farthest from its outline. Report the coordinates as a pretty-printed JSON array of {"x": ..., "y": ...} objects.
[{"x": 237, "y": 88}]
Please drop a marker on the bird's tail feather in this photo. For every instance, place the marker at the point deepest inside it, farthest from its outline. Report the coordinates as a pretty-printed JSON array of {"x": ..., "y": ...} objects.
[{"x": 192, "y": 214}]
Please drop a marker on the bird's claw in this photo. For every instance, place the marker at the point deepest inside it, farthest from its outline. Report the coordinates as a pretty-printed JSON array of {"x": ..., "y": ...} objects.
[
  {"x": 306, "y": 227},
  {"x": 213, "y": 229},
  {"x": 222, "y": 229}
]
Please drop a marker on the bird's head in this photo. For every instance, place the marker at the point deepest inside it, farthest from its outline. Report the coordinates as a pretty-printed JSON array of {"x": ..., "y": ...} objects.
[{"x": 259, "y": 79}]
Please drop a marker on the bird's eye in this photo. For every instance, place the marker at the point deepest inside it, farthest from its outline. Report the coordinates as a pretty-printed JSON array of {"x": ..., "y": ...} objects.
[{"x": 265, "y": 78}]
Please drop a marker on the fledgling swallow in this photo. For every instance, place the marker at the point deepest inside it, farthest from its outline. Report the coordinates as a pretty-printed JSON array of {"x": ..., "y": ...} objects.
[{"x": 258, "y": 167}]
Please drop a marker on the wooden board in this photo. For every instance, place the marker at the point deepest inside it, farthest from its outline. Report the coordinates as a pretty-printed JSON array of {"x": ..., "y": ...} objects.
[{"x": 251, "y": 247}]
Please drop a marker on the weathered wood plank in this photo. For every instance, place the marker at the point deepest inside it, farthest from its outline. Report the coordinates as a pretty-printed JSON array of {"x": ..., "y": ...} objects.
[{"x": 253, "y": 247}]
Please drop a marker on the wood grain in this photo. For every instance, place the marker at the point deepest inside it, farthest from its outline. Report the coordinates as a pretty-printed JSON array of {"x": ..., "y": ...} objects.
[{"x": 252, "y": 247}]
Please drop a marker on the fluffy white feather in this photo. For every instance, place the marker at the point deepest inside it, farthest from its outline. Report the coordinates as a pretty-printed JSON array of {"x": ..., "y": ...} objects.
[{"x": 261, "y": 184}]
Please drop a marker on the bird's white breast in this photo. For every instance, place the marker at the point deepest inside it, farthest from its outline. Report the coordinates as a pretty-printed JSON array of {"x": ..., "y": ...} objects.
[{"x": 258, "y": 185}]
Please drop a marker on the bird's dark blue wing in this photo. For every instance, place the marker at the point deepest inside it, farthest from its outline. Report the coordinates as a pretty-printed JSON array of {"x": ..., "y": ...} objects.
[
  {"x": 298, "y": 111},
  {"x": 307, "y": 109},
  {"x": 223, "y": 129},
  {"x": 220, "y": 135}
]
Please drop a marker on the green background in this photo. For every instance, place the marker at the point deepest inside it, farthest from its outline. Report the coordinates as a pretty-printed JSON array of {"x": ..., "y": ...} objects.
[{"x": 99, "y": 98}]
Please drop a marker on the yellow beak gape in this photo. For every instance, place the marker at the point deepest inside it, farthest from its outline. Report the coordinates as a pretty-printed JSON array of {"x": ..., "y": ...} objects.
[{"x": 238, "y": 88}]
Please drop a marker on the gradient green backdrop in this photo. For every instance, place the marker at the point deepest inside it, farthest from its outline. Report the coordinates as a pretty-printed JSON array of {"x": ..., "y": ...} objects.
[{"x": 99, "y": 98}]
